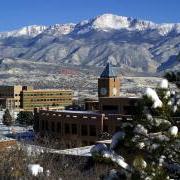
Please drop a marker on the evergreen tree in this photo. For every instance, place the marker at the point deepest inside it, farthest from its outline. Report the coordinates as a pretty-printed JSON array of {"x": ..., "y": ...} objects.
[
  {"x": 148, "y": 146},
  {"x": 178, "y": 57},
  {"x": 7, "y": 118},
  {"x": 173, "y": 77},
  {"x": 157, "y": 133},
  {"x": 25, "y": 118}
]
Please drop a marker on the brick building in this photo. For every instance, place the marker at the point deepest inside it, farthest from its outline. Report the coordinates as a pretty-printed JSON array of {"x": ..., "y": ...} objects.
[{"x": 78, "y": 128}]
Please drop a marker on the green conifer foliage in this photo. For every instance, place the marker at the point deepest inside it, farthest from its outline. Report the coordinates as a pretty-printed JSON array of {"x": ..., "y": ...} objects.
[
  {"x": 150, "y": 142},
  {"x": 7, "y": 118},
  {"x": 25, "y": 118}
]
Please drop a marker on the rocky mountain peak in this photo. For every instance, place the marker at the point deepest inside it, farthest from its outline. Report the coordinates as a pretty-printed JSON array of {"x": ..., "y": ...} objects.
[
  {"x": 30, "y": 31},
  {"x": 60, "y": 29},
  {"x": 108, "y": 22}
]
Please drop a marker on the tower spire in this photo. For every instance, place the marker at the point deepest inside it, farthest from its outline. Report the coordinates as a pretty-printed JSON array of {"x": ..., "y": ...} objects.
[
  {"x": 108, "y": 83},
  {"x": 108, "y": 72}
]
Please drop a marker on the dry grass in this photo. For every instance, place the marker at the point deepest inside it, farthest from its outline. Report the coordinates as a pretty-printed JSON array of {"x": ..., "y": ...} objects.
[{"x": 14, "y": 162}]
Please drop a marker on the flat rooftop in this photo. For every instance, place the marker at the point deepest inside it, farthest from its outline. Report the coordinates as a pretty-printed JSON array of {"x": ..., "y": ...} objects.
[
  {"x": 80, "y": 151},
  {"x": 104, "y": 141},
  {"x": 78, "y": 112},
  {"x": 121, "y": 97}
]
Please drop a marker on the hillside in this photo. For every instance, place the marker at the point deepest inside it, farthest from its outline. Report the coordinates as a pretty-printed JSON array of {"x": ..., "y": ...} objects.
[{"x": 131, "y": 44}]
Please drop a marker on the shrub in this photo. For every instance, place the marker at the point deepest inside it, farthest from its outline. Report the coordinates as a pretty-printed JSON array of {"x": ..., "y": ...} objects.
[
  {"x": 7, "y": 118},
  {"x": 25, "y": 118}
]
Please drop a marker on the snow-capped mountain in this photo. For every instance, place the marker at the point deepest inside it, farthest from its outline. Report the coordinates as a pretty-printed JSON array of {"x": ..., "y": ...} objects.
[
  {"x": 30, "y": 31},
  {"x": 125, "y": 42},
  {"x": 105, "y": 22},
  {"x": 108, "y": 22},
  {"x": 60, "y": 29}
]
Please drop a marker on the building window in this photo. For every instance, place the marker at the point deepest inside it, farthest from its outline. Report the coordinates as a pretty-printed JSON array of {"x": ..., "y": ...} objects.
[
  {"x": 47, "y": 127},
  {"x": 43, "y": 125},
  {"x": 53, "y": 126},
  {"x": 105, "y": 128},
  {"x": 58, "y": 127},
  {"x": 74, "y": 128},
  {"x": 129, "y": 110},
  {"x": 118, "y": 128},
  {"x": 67, "y": 128},
  {"x": 84, "y": 143},
  {"x": 110, "y": 108},
  {"x": 92, "y": 130},
  {"x": 91, "y": 143},
  {"x": 84, "y": 130},
  {"x": 74, "y": 144}
]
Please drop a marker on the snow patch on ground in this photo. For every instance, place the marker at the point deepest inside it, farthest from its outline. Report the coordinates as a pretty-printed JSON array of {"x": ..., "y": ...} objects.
[{"x": 35, "y": 169}]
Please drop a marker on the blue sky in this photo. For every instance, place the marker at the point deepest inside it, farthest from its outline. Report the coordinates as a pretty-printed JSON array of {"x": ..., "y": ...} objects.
[{"x": 17, "y": 13}]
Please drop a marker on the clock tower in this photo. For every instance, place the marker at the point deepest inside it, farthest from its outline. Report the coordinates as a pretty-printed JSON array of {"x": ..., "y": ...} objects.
[{"x": 108, "y": 83}]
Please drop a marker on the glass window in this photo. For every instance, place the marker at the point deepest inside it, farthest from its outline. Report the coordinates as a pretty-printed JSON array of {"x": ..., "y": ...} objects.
[
  {"x": 67, "y": 128},
  {"x": 47, "y": 127},
  {"x": 91, "y": 143},
  {"x": 105, "y": 128},
  {"x": 42, "y": 124},
  {"x": 74, "y": 128},
  {"x": 118, "y": 128},
  {"x": 84, "y": 143},
  {"x": 110, "y": 108},
  {"x": 53, "y": 126},
  {"x": 84, "y": 130},
  {"x": 58, "y": 127},
  {"x": 92, "y": 130}
]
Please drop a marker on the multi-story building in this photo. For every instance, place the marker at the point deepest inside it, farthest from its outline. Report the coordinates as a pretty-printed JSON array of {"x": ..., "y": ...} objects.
[
  {"x": 77, "y": 128},
  {"x": 106, "y": 114},
  {"x": 45, "y": 98},
  {"x": 10, "y": 94},
  {"x": 27, "y": 98}
]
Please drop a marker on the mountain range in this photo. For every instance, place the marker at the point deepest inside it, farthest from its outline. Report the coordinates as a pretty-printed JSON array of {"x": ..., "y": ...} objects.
[{"x": 125, "y": 42}]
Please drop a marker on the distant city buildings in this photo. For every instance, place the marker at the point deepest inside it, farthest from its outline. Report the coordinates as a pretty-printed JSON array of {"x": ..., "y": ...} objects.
[{"x": 27, "y": 98}]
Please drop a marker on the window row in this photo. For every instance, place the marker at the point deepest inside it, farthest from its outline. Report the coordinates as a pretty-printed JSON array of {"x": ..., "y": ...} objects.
[
  {"x": 37, "y": 100},
  {"x": 6, "y": 95},
  {"x": 85, "y": 130},
  {"x": 44, "y": 105},
  {"x": 54, "y": 94}
]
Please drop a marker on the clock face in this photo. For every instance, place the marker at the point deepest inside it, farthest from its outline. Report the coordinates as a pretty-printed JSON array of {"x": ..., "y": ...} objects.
[
  {"x": 103, "y": 91},
  {"x": 114, "y": 91}
]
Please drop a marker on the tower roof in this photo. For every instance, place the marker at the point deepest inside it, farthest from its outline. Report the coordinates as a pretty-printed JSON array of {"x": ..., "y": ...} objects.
[{"x": 108, "y": 72}]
